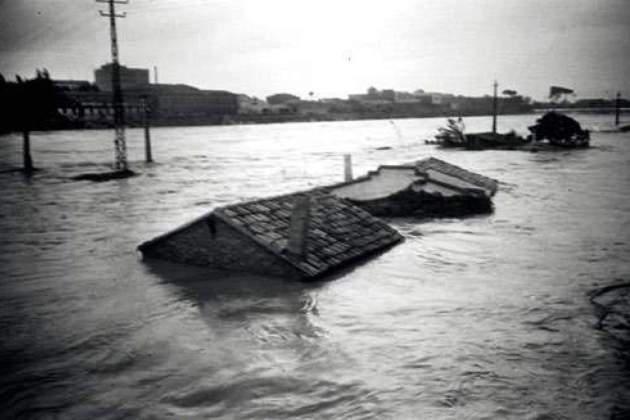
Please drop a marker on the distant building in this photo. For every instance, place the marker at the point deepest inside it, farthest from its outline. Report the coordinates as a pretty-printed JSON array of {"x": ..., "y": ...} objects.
[
  {"x": 388, "y": 95},
  {"x": 73, "y": 85},
  {"x": 282, "y": 99},
  {"x": 313, "y": 108},
  {"x": 437, "y": 98},
  {"x": 183, "y": 101},
  {"x": 251, "y": 105},
  {"x": 168, "y": 104},
  {"x": 332, "y": 100},
  {"x": 405, "y": 97},
  {"x": 129, "y": 77},
  {"x": 374, "y": 96}
]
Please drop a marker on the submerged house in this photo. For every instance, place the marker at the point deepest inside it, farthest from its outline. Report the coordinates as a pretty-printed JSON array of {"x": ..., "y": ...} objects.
[
  {"x": 302, "y": 235},
  {"x": 428, "y": 187}
]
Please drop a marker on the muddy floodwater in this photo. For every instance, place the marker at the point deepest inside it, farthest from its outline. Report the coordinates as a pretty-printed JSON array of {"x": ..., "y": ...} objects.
[{"x": 479, "y": 318}]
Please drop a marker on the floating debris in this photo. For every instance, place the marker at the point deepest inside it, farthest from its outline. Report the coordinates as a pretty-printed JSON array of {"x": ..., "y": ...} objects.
[
  {"x": 496, "y": 141},
  {"x": 454, "y": 136},
  {"x": 552, "y": 131},
  {"x": 426, "y": 188},
  {"x": 303, "y": 235},
  {"x": 560, "y": 130},
  {"x": 105, "y": 176}
]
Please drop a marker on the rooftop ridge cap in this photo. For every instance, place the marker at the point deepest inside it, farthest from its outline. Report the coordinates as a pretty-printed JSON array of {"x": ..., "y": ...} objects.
[
  {"x": 314, "y": 191},
  {"x": 398, "y": 166},
  {"x": 456, "y": 166},
  {"x": 453, "y": 187}
]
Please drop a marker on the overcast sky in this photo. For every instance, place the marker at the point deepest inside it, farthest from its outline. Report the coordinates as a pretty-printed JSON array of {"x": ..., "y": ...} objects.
[{"x": 333, "y": 47}]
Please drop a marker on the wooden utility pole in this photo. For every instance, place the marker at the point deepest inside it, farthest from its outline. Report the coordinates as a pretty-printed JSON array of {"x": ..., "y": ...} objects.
[
  {"x": 147, "y": 130},
  {"x": 26, "y": 152},
  {"x": 617, "y": 108},
  {"x": 494, "y": 108},
  {"x": 120, "y": 146}
]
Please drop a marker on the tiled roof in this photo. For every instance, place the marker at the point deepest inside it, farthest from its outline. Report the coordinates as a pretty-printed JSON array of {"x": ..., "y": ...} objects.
[
  {"x": 338, "y": 231},
  {"x": 457, "y": 172}
]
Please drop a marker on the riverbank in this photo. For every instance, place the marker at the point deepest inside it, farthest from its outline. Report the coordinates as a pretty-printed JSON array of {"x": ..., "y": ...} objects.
[{"x": 252, "y": 119}]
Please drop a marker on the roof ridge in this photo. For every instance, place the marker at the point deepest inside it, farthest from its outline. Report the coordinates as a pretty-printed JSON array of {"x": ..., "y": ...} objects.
[
  {"x": 474, "y": 174},
  {"x": 302, "y": 265},
  {"x": 314, "y": 191}
]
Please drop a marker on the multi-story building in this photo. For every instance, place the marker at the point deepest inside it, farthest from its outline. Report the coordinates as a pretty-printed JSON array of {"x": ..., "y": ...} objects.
[
  {"x": 83, "y": 102},
  {"x": 129, "y": 77}
]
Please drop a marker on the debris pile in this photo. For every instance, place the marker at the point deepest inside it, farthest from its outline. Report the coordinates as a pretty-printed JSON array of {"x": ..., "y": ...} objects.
[
  {"x": 497, "y": 141},
  {"x": 552, "y": 131},
  {"x": 454, "y": 136},
  {"x": 560, "y": 130}
]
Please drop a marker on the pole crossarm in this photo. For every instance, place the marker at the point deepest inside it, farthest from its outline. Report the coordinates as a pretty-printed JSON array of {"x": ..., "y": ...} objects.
[{"x": 123, "y": 15}]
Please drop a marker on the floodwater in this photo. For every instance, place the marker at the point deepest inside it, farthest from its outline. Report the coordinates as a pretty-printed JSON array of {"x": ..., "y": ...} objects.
[{"x": 477, "y": 318}]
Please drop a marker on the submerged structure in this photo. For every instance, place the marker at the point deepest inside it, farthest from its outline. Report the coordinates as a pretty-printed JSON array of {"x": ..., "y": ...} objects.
[
  {"x": 454, "y": 136},
  {"x": 425, "y": 188},
  {"x": 302, "y": 235},
  {"x": 560, "y": 131},
  {"x": 551, "y": 132}
]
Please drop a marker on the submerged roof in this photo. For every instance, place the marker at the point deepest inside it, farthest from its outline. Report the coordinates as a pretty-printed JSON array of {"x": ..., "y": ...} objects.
[
  {"x": 457, "y": 172},
  {"x": 421, "y": 172},
  {"x": 338, "y": 232}
]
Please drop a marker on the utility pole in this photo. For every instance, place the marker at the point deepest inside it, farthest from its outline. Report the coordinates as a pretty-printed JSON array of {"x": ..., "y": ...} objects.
[
  {"x": 155, "y": 75},
  {"x": 617, "y": 108},
  {"x": 147, "y": 132},
  {"x": 26, "y": 151},
  {"x": 494, "y": 108},
  {"x": 120, "y": 147}
]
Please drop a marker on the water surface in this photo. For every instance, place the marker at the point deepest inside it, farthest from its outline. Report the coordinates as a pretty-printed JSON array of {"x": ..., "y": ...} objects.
[{"x": 477, "y": 318}]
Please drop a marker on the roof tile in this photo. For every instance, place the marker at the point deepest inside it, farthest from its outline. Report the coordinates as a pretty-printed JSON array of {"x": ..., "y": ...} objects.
[{"x": 337, "y": 232}]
